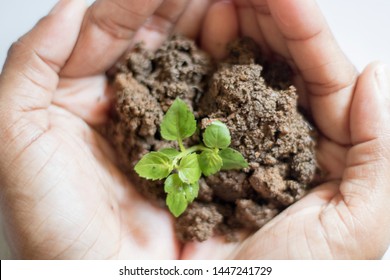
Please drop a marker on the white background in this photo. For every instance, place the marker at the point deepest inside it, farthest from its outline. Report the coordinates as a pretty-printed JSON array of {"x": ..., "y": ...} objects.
[
  {"x": 360, "y": 26},
  {"x": 189, "y": 270}
]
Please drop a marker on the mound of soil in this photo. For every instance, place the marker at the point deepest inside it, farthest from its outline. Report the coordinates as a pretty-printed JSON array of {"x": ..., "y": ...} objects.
[{"x": 252, "y": 96}]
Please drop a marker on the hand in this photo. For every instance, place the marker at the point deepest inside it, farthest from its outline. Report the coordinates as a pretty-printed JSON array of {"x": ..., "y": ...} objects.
[
  {"x": 63, "y": 196},
  {"x": 345, "y": 217}
]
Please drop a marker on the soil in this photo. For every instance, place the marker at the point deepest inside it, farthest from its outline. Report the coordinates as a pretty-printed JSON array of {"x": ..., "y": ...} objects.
[{"x": 253, "y": 96}]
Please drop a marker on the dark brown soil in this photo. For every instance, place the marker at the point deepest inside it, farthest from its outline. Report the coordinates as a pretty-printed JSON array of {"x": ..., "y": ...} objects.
[{"x": 252, "y": 96}]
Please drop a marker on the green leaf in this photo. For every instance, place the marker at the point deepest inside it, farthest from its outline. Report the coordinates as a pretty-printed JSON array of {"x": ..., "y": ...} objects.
[
  {"x": 179, "y": 122},
  {"x": 232, "y": 159},
  {"x": 210, "y": 162},
  {"x": 154, "y": 166},
  {"x": 170, "y": 152},
  {"x": 179, "y": 194},
  {"x": 191, "y": 191},
  {"x": 173, "y": 183},
  {"x": 189, "y": 170},
  {"x": 217, "y": 135},
  {"x": 177, "y": 203}
]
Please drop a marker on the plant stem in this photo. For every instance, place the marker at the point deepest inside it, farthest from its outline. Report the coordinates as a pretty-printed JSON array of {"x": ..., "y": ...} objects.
[
  {"x": 181, "y": 146},
  {"x": 197, "y": 148},
  {"x": 188, "y": 151}
]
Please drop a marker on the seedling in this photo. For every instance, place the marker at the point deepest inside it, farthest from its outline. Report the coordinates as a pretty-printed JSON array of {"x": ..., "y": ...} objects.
[{"x": 183, "y": 169}]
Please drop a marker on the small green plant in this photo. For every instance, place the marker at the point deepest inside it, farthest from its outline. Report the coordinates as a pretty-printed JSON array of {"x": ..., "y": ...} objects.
[{"x": 183, "y": 169}]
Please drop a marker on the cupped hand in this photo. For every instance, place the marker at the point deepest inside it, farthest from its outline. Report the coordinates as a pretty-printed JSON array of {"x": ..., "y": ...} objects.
[
  {"x": 61, "y": 193},
  {"x": 346, "y": 216}
]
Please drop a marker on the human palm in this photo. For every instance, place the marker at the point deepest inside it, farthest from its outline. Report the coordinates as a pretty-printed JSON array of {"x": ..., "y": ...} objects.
[{"x": 64, "y": 195}]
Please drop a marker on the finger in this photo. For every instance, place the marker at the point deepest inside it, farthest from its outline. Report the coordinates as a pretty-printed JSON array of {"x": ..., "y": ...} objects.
[
  {"x": 272, "y": 36},
  {"x": 160, "y": 25},
  {"x": 107, "y": 30},
  {"x": 190, "y": 22},
  {"x": 248, "y": 23},
  {"x": 220, "y": 27},
  {"x": 366, "y": 180},
  {"x": 328, "y": 74},
  {"x": 370, "y": 104}
]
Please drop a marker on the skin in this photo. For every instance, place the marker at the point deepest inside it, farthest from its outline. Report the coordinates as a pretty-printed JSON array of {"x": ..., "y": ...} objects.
[{"x": 62, "y": 195}]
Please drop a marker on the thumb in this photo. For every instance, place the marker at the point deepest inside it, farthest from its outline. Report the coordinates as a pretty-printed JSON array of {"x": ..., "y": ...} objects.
[
  {"x": 366, "y": 181},
  {"x": 30, "y": 74}
]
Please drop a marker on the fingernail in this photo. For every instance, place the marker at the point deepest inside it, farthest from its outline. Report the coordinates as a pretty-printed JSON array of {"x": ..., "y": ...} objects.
[
  {"x": 382, "y": 75},
  {"x": 60, "y": 4}
]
